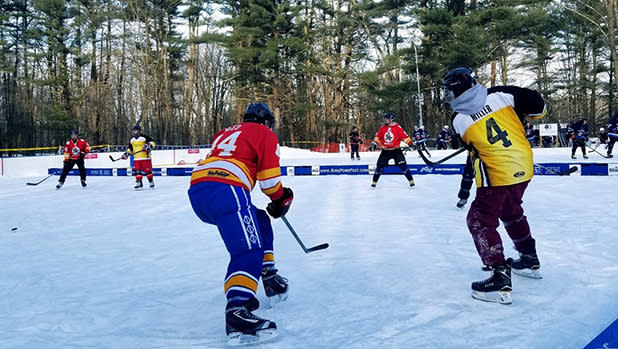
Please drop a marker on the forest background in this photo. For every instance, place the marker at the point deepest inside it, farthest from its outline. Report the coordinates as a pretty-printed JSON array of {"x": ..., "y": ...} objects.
[{"x": 183, "y": 69}]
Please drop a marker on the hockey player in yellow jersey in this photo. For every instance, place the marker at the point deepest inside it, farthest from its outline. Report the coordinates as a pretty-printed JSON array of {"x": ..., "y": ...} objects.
[
  {"x": 140, "y": 146},
  {"x": 490, "y": 123}
]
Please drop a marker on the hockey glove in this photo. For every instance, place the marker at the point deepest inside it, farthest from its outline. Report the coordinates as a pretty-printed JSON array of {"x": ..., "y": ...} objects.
[
  {"x": 124, "y": 156},
  {"x": 372, "y": 146},
  {"x": 146, "y": 147},
  {"x": 82, "y": 155},
  {"x": 280, "y": 207}
]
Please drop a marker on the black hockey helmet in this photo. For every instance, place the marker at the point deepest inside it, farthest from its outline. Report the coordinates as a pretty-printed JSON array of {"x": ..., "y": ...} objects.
[
  {"x": 457, "y": 81},
  {"x": 74, "y": 132},
  {"x": 260, "y": 113},
  {"x": 137, "y": 128},
  {"x": 390, "y": 115}
]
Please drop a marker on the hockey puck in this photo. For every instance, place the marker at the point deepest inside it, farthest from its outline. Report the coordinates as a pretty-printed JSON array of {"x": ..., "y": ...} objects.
[{"x": 14, "y": 228}]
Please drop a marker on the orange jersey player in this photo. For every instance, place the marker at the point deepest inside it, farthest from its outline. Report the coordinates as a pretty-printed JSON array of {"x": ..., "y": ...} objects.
[{"x": 220, "y": 195}]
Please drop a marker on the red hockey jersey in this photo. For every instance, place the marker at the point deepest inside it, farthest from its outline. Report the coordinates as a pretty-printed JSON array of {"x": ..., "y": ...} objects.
[
  {"x": 391, "y": 136},
  {"x": 240, "y": 156},
  {"x": 73, "y": 149}
]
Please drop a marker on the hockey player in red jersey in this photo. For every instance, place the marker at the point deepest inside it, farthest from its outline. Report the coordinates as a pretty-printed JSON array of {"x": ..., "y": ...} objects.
[
  {"x": 220, "y": 195},
  {"x": 390, "y": 135},
  {"x": 75, "y": 150}
]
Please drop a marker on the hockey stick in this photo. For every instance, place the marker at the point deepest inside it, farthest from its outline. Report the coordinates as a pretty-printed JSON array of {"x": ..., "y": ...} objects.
[
  {"x": 41, "y": 181},
  {"x": 120, "y": 158},
  {"x": 562, "y": 173},
  {"x": 307, "y": 250},
  {"x": 434, "y": 164},
  {"x": 594, "y": 150}
]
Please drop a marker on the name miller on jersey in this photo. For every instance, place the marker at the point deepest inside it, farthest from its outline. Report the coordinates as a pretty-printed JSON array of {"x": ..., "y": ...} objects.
[{"x": 485, "y": 111}]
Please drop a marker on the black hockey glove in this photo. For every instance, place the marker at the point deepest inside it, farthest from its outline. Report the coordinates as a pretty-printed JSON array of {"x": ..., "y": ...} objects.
[
  {"x": 373, "y": 146},
  {"x": 82, "y": 155},
  {"x": 280, "y": 207}
]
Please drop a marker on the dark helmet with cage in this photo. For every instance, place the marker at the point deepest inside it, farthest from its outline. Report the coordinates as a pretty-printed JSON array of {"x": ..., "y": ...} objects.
[
  {"x": 136, "y": 130},
  {"x": 260, "y": 113},
  {"x": 457, "y": 81},
  {"x": 74, "y": 134},
  {"x": 390, "y": 115}
]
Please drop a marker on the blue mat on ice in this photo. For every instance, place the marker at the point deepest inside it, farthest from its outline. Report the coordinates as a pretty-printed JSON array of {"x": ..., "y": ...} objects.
[{"x": 607, "y": 339}]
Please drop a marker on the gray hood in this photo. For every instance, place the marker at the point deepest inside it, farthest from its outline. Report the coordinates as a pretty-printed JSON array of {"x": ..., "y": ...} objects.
[{"x": 471, "y": 101}]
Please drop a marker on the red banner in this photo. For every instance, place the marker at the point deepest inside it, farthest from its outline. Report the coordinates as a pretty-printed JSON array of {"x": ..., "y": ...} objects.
[
  {"x": 193, "y": 151},
  {"x": 91, "y": 156}
]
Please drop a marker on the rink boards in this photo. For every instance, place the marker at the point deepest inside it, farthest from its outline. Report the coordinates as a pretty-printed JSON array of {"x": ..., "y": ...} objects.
[{"x": 584, "y": 169}]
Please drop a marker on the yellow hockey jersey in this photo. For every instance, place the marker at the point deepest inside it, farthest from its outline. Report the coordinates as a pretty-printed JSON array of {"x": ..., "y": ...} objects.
[
  {"x": 137, "y": 144},
  {"x": 500, "y": 150}
]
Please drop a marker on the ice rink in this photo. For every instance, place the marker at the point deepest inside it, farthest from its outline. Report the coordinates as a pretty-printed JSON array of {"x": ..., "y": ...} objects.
[{"x": 109, "y": 267}]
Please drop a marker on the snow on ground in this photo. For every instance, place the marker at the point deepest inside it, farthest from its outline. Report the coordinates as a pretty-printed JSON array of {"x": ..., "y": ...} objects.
[{"x": 111, "y": 267}]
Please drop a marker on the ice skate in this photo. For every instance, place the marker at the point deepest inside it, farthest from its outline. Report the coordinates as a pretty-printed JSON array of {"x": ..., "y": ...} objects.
[
  {"x": 527, "y": 265},
  {"x": 573, "y": 157},
  {"x": 585, "y": 156},
  {"x": 496, "y": 288},
  {"x": 84, "y": 185},
  {"x": 275, "y": 286},
  {"x": 244, "y": 328},
  {"x": 138, "y": 184},
  {"x": 461, "y": 203},
  {"x": 59, "y": 185},
  {"x": 151, "y": 184},
  {"x": 373, "y": 184}
]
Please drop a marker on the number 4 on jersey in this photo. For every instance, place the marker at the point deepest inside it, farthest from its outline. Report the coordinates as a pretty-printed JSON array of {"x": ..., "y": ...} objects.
[
  {"x": 501, "y": 135},
  {"x": 227, "y": 145}
]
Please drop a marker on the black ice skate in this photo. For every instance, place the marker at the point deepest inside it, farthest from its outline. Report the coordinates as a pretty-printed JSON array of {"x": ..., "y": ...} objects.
[
  {"x": 84, "y": 183},
  {"x": 527, "y": 265},
  {"x": 275, "y": 286},
  {"x": 59, "y": 185},
  {"x": 497, "y": 288},
  {"x": 243, "y": 327},
  {"x": 138, "y": 184},
  {"x": 151, "y": 184},
  {"x": 411, "y": 181},
  {"x": 461, "y": 203}
]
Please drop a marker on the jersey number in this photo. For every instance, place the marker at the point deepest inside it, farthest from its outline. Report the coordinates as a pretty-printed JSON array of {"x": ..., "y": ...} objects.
[
  {"x": 227, "y": 145},
  {"x": 500, "y": 135}
]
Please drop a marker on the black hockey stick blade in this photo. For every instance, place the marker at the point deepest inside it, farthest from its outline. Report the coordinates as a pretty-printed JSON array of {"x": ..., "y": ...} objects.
[
  {"x": 568, "y": 172},
  {"x": 41, "y": 181},
  {"x": 305, "y": 249},
  {"x": 318, "y": 247},
  {"x": 434, "y": 164}
]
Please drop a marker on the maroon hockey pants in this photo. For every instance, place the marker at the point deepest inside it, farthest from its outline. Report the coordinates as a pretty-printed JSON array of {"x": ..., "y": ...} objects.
[{"x": 503, "y": 203}]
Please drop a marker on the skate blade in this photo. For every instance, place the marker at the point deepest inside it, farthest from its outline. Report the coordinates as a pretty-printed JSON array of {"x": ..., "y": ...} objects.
[
  {"x": 276, "y": 299},
  {"x": 502, "y": 297},
  {"x": 241, "y": 339},
  {"x": 529, "y": 273}
]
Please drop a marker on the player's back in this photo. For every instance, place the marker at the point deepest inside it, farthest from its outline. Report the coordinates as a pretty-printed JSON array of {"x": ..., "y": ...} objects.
[
  {"x": 237, "y": 154},
  {"x": 497, "y": 135}
]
